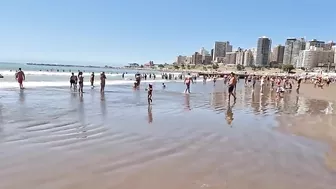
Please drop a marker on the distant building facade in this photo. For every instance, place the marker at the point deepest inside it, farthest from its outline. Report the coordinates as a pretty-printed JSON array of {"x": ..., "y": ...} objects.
[
  {"x": 196, "y": 58},
  {"x": 293, "y": 46},
  {"x": 207, "y": 59},
  {"x": 263, "y": 51},
  {"x": 315, "y": 56},
  {"x": 221, "y": 48},
  {"x": 181, "y": 60},
  {"x": 230, "y": 58},
  {"x": 248, "y": 58},
  {"x": 240, "y": 56},
  {"x": 314, "y": 43},
  {"x": 278, "y": 54},
  {"x": 329, "y": 45}
]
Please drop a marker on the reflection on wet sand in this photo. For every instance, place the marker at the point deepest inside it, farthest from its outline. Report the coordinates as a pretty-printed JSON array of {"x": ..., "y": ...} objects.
[
  {"x": 229, "y": 114},
  {"x": 187, "y": 102},
  {"x": 150, "y": 114},
  {"x": 81, "y": 147}
]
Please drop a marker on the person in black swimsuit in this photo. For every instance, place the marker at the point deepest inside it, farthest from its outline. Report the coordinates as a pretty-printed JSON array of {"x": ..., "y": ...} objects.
[{"x": 72, "y": 80}]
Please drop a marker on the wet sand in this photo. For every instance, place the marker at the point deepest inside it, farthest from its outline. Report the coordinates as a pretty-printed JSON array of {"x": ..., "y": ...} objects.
[{"x": 191, "y": 141}]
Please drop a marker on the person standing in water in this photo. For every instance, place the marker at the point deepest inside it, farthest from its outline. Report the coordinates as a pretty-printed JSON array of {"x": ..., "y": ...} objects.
[
  {"x": 150, "y": 93},
  {"x": 232, "y": 84},
  {"x": 102, "y": 82},
  {"x": 20, "y": 77},
  {"x": 187, "y": 80},
  {"x": 72, "y": 80},
  {"x": 80, "y": 82},
  {"x": 92, "y": 80}
]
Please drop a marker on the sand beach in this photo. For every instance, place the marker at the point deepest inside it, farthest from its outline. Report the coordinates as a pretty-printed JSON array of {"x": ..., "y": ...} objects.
[{"x": 53, "y": 138}]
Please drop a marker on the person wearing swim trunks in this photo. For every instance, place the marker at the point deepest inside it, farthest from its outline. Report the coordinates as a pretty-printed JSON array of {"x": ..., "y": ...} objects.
[
  {"x": 20, "y": 77},
  {"x": 102, "y": 82},
  {"x": 232, "y": 84},
  {"x": 187, "y": 80},
  {"x": 80, "y": 81},
  {"x": 72, "y": 80}
]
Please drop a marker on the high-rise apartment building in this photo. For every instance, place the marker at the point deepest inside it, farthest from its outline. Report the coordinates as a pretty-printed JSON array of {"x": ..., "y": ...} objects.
[
  {"x": 315, "y": 56},
  {"x": 181, "y": 59},
  {"x": 293, "y": 46},
  {"x": 254, "y": 56},
  {"x": 221, "y": 48},
  {"x": 263, "y": 51},
  {"x": 230, "y": 58},
  {"x": 207, "y": 59},
  {"x": 314, "y": 43},
  {"x": 248, "y": 58},
  {"x": 196, "y": 58},
  {"x": 278, "y": 54},
  {"x": 240, "y": 56}
]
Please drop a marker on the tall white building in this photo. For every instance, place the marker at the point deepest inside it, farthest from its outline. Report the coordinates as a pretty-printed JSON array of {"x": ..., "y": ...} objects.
[
  {"x": 248, "y": 58},
  {"x": 315, "y": 56},
  {"x": 221, "y": 48},
  {"x": 263, "y": 51},
  {"x": 254, "y": 56},
  {"x": 240, "y": 56},
  {"x": 293, "y": 46}
]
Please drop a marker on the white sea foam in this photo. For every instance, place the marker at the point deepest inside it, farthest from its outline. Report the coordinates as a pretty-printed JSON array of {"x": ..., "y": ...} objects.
[
  {"x": 45, "y": 73},
  {"x": 35, "y": 84}
]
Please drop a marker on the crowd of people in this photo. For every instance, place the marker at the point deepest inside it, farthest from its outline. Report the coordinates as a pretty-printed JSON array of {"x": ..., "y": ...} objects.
[{"x": 280, "y": 84}]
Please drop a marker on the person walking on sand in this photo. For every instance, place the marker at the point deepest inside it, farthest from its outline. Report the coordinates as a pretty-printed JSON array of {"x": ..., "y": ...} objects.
[
  {"x": 232, "y": 84},
  {"x": 20, "y": 77},
  {"x": 187, "y": 80},
  {"x": 102, "y": 82}
]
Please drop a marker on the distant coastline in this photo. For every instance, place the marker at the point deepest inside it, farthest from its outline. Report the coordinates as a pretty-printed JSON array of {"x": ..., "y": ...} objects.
[{"x": 67, "y": 65}]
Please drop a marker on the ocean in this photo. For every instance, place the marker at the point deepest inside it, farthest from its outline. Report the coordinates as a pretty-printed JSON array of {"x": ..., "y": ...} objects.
[
  {"x": 52, "y": 138},
  {"x": 43, "y": 76}
]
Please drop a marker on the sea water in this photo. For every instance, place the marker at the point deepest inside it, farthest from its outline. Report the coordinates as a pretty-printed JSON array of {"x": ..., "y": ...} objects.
[{"x": 57, "y": 76}]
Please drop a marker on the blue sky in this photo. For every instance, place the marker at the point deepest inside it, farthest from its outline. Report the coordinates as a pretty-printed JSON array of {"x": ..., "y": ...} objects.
[{"x": 117, "y": 32}]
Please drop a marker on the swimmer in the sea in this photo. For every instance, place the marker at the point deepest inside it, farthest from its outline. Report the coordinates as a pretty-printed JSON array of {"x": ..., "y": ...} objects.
[{"x": 163, "y": 85}]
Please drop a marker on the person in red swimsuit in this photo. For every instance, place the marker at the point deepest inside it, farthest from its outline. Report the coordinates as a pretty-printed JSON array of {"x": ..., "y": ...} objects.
[{"x": 20, "y": 77}]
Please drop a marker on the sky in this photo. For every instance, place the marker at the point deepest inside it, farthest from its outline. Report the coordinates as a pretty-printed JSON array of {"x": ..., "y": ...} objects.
[{"x": 111, "y": 32}]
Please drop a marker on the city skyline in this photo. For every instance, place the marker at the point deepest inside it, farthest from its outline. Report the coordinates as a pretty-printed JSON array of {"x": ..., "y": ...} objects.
[{"x": 118, "y": 32}]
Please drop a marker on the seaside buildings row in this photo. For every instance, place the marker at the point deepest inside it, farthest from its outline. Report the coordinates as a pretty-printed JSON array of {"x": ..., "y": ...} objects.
[{"x": 296, "y": 51}]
